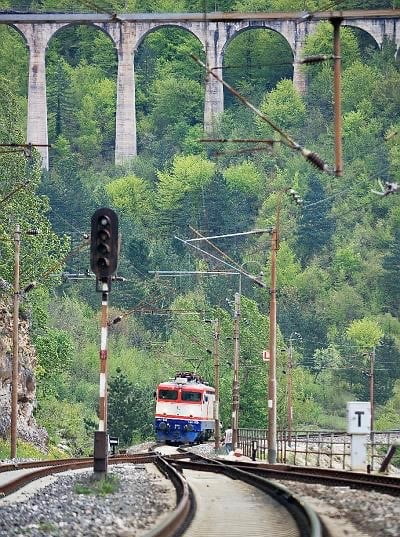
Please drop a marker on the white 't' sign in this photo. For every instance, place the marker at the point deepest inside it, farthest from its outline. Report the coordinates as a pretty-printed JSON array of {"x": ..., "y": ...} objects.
[{"x": 359, "y": 417}]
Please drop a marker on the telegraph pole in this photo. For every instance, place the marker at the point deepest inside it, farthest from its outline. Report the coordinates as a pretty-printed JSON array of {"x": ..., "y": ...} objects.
[
  {"x": 289, "y": 394},
  {"x": 15, "y": 361},
  {"x": 235, "y": 384},
  {"x": 15, "y": 336},
  {"x": 272, "y": 445},
  {"x": 337, "y": 95},
  {"x": 371, "y": 387},
  {"x": 217, "y": 431}
]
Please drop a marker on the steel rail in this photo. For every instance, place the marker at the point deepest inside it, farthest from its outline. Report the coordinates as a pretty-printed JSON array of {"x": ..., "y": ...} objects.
[
  {"x": 171, "y": 525},
  {"x": 176, "y": 521},
  {"x": 57, "y": 462},
  {"x": 308, "y": 522},
  {"x": 47, "y": 468},
  {"x": 380, "y": 483}
]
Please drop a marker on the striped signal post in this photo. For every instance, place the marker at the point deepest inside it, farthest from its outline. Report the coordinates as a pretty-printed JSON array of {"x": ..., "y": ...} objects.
[
  {"x": 100, "y": 436},
  {"x": 104, "y": 248}
]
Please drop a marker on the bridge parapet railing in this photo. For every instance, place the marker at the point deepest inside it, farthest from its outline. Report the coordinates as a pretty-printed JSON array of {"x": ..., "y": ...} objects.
[{"x": 28, "y": 9}]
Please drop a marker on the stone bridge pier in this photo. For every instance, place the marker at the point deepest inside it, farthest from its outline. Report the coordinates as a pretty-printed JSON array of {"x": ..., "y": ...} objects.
[{"x": 128, "y": 31}]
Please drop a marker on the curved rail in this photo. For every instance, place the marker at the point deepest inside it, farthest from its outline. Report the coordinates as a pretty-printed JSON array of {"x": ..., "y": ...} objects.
[
  {"x": 307, "y": 520},
  {"x": 380, "y": 483},
  {"x": 173, "y": 524},
  {"x": 47, "y": 468},
  {"x": 57, "y": 462},
  {"x": 176, "y": 521}
]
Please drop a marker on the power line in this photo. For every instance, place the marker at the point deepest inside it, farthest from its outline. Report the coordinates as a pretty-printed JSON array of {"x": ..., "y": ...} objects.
[{"x": 310, "y": 156}]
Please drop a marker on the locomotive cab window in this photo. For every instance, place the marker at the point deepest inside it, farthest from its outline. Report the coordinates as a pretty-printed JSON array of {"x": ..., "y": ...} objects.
[
  {"x": 191, "y": 396},
  {"x": 172, "y": 395}
]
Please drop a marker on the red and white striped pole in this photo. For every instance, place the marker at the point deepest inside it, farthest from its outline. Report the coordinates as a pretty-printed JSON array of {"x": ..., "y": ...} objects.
[
  {"x": 101, "y": 437},
  {"x": 103, "y": 359}
]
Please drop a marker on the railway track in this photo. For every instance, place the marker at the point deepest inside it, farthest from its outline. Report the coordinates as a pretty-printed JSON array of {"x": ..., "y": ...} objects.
[
  {"x": 379, "y": 483},
  {"x": 227, "y": 501}
]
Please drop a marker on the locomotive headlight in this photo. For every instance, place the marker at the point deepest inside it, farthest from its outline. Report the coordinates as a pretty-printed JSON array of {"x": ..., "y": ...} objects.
[
  {"x": 189, "y": 427},
  {"x": 162, "y": 426}
]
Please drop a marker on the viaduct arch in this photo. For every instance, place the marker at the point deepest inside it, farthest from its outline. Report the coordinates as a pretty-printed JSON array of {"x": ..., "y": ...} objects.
[{"x": 214, "y": 31}]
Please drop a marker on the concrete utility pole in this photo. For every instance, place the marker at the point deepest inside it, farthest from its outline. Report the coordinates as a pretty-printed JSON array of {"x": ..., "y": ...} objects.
[
  {"x": 272, "y": 446},
  {"x": 15, "y": 362},
  {"x": 289, "y": 395},
  {"x": 289, "y": 385},
  {"x": 337, "y": 95},
  {"x": 15, "y": 336},
  {"x": 235, "y": 384},
  {"x": 372, "y": 387},
  {"x": 217, "y": 429},
  {"x": 271, "y": 396}
]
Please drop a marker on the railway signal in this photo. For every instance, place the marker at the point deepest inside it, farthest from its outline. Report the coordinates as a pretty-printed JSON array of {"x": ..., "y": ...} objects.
[
  {"x": 104, "y": 247},
  {"x": 104, "y": 244}
]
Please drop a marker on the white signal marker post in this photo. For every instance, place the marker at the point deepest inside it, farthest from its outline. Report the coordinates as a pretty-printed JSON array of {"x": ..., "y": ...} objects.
[{"x": 359, "y": 426}]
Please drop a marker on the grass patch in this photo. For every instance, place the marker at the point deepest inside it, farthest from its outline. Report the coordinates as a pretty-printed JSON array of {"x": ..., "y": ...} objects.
[
  {"x": 332, "y": 422},
  {"x": 25, "y": 450},
  {"x": 29, "y": 451},
  {"x": 48, "y": 527},
  {"x": 99, "y": 487}
]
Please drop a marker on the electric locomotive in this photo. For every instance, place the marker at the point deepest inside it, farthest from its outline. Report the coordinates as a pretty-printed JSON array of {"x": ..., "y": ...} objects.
[{"x": 184, "y": 410}]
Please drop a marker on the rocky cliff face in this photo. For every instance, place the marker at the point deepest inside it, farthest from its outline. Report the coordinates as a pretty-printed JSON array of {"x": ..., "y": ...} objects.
[{"x": 27, "y": 427}]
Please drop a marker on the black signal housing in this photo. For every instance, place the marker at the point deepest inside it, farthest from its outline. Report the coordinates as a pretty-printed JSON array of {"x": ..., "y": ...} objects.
[{"x": 104, "y": 243}]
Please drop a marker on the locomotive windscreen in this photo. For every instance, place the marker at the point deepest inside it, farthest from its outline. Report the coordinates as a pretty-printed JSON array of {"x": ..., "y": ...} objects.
[
  {"x": 191, "y": 396},
  {"x": 172, "y": 395}
]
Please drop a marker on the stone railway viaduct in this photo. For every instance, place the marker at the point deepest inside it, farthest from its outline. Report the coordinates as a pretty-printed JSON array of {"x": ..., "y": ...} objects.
[{"x": 213, "y": 30}]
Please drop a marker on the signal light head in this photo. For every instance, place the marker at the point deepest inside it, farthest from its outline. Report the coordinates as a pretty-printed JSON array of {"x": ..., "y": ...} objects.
[
  {"x": 104, "y": 243},
  {"x": 103, "y": 235}
]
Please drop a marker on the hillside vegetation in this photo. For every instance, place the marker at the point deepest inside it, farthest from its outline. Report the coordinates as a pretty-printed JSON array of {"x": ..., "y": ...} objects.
[{"x": 339, "y": 256}]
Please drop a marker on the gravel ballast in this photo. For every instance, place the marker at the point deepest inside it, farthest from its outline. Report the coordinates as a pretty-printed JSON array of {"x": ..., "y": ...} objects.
[
  {"x": 351, "y": 512},
  {"x": 370, "y": 513},
  {"x": 142, "y": 499},
  {"x": 145, "y": 496}
]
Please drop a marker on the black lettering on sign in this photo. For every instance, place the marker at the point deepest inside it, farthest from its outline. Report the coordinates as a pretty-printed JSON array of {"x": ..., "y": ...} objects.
[{"x": 359, "y": 413}]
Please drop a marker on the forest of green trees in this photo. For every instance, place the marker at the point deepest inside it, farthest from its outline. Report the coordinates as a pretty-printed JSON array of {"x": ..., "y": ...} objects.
[{"x": 339, "y": 257}]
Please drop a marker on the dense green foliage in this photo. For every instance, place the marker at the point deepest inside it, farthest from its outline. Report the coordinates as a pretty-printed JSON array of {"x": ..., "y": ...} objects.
[{"x": 338, "y": 261}]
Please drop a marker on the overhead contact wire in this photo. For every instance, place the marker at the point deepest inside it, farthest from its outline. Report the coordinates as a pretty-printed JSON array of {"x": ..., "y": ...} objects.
[{"x": 310, "y": 156}]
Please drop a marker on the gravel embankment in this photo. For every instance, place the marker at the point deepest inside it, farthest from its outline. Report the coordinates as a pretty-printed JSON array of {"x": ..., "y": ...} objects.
[
  {"x": 57, "y": 510},
  {"x": 370, "y": 513}
]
